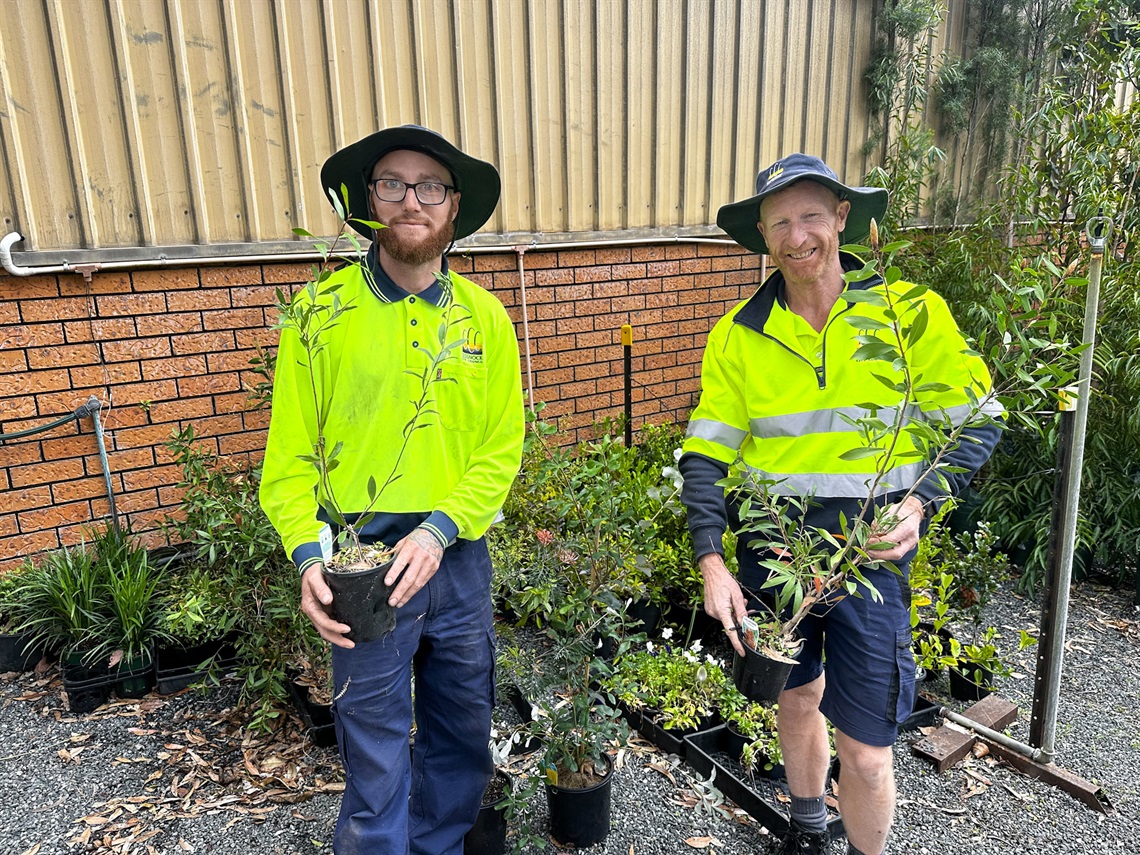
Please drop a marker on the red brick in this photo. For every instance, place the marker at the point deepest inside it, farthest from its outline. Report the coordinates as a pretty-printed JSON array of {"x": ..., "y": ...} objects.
[
  {"x": 566, "y": 326},
  {"x": 179, "y": 366},
  {"x": 126, "y": 416},
  {"x": 14, "y": 501},
  {"x": 205, "y": 298},
  {"x": 21, "y": 452},
  {"x": 557, "y": 276},
  {"x": 220, "y": 363},
  {"x": 657, "y": 269},
  {"x": 219, "y": 425},
  {"x": 38, "y": 335},
  {"x": 653, "y": 252},
  {"x": 612, "y": 255},
  {"x": 178, "y": 410},
  {"x": 596, "y": 339},
  {"x": 576, "y": 258},
  {"x": 80, "y": 490},
  {"x": 592, "y": 274},
  {"x": 211, "y": 342},
  {"x": 240, "y": 442},
  {"x": 170, "y": 323},
  {"x": 61, "y": 356},
  {"x": 207, "y": 385},
  {"x": 656, "y": 301},
  {"x": 116, "y": 305},
  {"x": 696, "y": 265},
  {"x": 264, "y": 338},
  {"x": 731, "y": 262},
  {"x": 579, "y": 389},
  {"x": 151, "y": 477},
  {"x": 133, "y": 502},
  {"x": 215, "y": 277},
  {"x": 52, "y": 517},
  {"x": 681, "y": 283},
  {"x": 116, "y": 282},
  {"x": 233, "y": 319},
  {"x": 44, "y": 473},
  {"x": 165, "y": 279},
  {"x": 9, "y": 313},
  {"x": 141, "y": 437},
  {"x": 627, "y": 304},
  {"x": 138, "y": 392},
  {"x": 540, "y": 260},
  {"x": 130, "y": 458},
  {"x": 35, "y": 383},
  {"x": 681, "y": 250},
  {"x": 286, "y": 274},
  {"x": 21, "y": 288},
  {"x": 496, "y": 261},
  {"x": 8, "y": 527},
  {"x": 261, "y": 295},
  {"x": 136, "y": 349},
  {"x": 462, "y": 264},
  {"x": 24, "y": 545},
  {"x": 483, "y": 280},
  {"x": 506, "y": 281}
]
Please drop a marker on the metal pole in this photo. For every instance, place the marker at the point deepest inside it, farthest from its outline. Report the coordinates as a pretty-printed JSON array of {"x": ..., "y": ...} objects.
[
  {"x": 627, "y": 347},
  {"x": 1097, "y": 231}
]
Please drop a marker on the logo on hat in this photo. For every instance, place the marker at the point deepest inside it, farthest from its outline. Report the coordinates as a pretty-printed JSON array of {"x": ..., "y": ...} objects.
[{"x": 777, "y": 168}]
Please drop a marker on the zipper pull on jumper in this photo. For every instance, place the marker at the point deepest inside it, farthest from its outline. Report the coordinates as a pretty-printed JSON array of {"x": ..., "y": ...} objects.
[{"x": 820, "y": 376}]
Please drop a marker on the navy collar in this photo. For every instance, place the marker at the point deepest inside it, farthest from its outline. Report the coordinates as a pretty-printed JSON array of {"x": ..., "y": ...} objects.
[{"x": 381, "y": 284}]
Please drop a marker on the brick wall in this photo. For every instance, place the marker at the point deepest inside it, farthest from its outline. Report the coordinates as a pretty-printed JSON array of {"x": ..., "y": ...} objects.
[{"x": 171, "y": 347}]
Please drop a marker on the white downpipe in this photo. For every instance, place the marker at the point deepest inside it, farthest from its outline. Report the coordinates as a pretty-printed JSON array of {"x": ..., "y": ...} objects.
[{"x": 521, "y": 250}]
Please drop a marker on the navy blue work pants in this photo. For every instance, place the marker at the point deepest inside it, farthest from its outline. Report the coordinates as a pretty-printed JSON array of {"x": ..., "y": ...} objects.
[{"x": 422, "y": 804}]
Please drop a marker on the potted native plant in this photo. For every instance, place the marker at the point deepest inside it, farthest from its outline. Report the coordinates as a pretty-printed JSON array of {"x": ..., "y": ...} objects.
[
  {"x": 355, "y": 573},
  {"x": 196, "y": 616},
  {"x": 16, "y": 654}
]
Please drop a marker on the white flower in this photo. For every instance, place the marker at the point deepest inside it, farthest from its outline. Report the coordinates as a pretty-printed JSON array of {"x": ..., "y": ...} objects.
[
  {"x": 690, "y": 657},
  {"x": 712, "y": 660},
  {"x": 696, "y": 646},
  {"x": 676, "y": 455},
  {"x": 667, "y": 633},
  {"x": 674, "y": 475},
  {"x": 649, "y": 646}
]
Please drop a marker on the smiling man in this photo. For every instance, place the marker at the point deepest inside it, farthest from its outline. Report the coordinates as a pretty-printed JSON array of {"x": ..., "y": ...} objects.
[
  {"x": 779, "y": 388},
  {"x": 454, "y": 474}
]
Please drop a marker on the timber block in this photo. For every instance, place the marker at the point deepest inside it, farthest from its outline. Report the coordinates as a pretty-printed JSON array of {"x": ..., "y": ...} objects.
[
  {"x": 951, "y": 742},
  {"x": 945, "y": 746}
]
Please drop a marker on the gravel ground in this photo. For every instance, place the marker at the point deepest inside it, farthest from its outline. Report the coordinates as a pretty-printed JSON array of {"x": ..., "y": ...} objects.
[{"x": 178, "y": 774}]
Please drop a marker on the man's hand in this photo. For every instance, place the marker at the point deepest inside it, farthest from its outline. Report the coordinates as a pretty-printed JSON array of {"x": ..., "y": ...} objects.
[
  {"x": 417, "y": 557},
  {"x": 723, "y": 598},
  {"x": 904, "y": 535},
  {"x": 315, "y": 600}
]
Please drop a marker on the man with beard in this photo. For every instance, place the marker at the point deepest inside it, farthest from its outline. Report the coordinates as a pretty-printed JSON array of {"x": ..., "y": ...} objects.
[{"x": 453, "y": 470}]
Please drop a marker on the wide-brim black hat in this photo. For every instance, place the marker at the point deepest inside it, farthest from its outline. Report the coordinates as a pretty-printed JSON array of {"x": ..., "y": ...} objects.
[
  {"x": 739, "y": 219},
  {"x": 477, "y": 180}
]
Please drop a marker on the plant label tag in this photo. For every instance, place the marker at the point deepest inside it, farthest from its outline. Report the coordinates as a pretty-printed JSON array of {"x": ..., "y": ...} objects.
[
  {"x": 751, "y": 632},
  {"x": 325, "y": 538}
]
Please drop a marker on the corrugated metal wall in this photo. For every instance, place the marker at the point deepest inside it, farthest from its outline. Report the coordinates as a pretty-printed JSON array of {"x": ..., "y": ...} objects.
[{"x": 140, "y": 123}]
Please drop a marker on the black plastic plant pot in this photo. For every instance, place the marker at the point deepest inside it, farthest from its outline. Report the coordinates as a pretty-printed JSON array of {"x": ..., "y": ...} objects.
[
  {"x": 644, "y": 616},
  {"x": 15, "y": 655},
  {"x": 970, "y": 682},
  {"x": 317, "y": 717},
  {"x": 135, "y": 677},
  {"x": 734, "y": 741},
  {"x": 760, "y": 677},
  {"x": 581, "y": 817},
  {"x": 360, "y": 599},
  {"x": 178, "y": 667},
  {"x": 88, "y": 687},
  {"x": 488, "y": 836}
]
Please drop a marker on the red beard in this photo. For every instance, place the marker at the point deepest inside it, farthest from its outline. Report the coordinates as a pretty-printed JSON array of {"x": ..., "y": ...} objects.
[{"x": 416, "y": 252}]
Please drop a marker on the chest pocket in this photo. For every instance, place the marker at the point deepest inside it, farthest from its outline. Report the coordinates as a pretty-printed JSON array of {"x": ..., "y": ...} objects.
[{"x": 460, "y": 394}]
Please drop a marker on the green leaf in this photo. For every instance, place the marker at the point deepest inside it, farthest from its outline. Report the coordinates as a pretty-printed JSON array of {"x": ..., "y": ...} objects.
[{"x": 853, "y": 454}]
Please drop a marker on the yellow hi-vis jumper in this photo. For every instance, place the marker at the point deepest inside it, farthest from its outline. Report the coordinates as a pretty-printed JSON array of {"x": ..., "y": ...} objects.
[
  {"x": 783, "y": 397},
  {"x": 465, "y": 449}
]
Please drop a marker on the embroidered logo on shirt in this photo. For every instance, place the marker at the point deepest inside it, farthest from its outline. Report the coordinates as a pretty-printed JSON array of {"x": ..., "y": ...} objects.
[{"x": 472, "y": 350}]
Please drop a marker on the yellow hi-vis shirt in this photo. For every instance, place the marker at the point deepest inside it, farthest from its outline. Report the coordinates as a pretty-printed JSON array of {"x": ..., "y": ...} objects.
[{"x": 454, "y": 473}]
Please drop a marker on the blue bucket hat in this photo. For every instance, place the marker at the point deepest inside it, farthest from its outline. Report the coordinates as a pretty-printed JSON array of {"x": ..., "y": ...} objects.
[{"x": 739, "y": 219}]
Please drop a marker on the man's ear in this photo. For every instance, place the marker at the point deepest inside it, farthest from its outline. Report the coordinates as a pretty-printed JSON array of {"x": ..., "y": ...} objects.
[
  {"x": 841, "y": 214},
  {"x": 455, "y": 205}
]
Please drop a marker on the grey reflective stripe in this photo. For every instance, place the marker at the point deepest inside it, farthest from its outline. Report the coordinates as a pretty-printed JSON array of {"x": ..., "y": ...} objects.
[
  {"x": 824, "y": 421},
  {"x": 717, "y": 432},
  {"x": 825, "y": 485}
]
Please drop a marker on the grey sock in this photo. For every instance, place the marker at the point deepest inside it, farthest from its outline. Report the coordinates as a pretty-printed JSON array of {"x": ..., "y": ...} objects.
[{"x": 809, "y": 814}]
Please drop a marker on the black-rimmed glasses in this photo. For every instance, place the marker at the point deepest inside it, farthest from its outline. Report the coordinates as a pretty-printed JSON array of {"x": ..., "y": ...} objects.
[{"x": 394, "y": 190}]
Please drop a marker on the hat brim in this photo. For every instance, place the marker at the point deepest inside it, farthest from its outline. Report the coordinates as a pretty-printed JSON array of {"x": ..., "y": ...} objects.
[
  {"x": 739, "y": 219},
  {"x": 476, "y": 180}
]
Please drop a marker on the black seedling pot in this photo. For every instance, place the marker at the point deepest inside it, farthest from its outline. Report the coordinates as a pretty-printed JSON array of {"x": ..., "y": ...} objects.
[
  {"x": 581, "y": 817},
  {"x": 970, "y": 682},
  {"x": 360, "y": 599},
  {"x": 760, "y": 677},
  {"x": 489, "y": 834}
]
